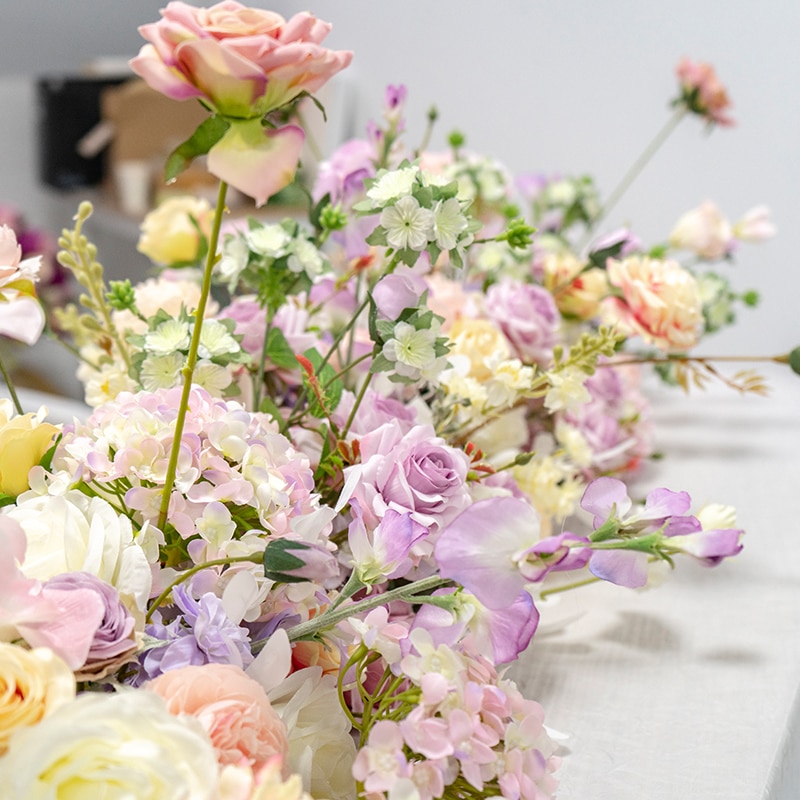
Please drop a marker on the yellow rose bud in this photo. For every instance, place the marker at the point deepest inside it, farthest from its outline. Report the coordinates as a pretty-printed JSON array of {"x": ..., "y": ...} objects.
[
  {"x": 23, "y": 442},
  {"x": 169, "y": 233}
]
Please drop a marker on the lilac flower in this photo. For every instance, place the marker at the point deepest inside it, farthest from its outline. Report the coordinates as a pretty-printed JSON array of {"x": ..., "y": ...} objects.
[
  {"x": 201, "y": 634},
  {"x": 527, "y": 316}
]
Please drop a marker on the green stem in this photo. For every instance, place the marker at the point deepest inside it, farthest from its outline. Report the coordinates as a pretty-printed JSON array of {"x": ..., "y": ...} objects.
[
  {"x": 191, "y": 359},
  {"x": 184, "y": 576},
  {"x": 332, "y": 617},
  {"x": 361, "y": 394},
  {"x": 568, "y": 586},
  {"x": 634, "y": 170},
  {"x": 684, "y": 359},
  {"x": 11, "y": 390}
]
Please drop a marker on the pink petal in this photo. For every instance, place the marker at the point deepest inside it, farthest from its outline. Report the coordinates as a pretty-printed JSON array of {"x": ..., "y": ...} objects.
[
  {"x": 22, "y": 319},
  {"x": 257, "y": 161}
]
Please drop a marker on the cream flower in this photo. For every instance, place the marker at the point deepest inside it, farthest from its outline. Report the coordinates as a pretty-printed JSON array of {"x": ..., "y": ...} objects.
[
  {"x": 216, "y": 340},
  {"x": 169, "y": 336},
  {"x": 567, "y": 390},
  {"x": 448, "y": 223},
  {"x": 480, "y": 341},
  {"x": 269, "y": 240},
  {"x": 172, "y": 233},
  {"x": 410, "y": 350},
  {"x": 704, "y": 231},
  {"x": 161, "y": 372},
  {"x": 124, "y": 745},
  {"x": 33, "y": 684},
  {"x": 72, "y": 532}
]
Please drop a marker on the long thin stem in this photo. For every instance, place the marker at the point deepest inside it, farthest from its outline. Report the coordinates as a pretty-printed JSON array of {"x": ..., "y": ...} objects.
[
  {"x": 635, "y": 169},
  {"x": 11, "y": 390},
  {"x": 191, "y": 359},
  {"x": 685, "y": 359}
]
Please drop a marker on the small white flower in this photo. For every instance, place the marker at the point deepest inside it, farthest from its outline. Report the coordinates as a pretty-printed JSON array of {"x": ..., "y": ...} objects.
[
  {"x": 216, "y": 340},
  {"x": 567, "y": 390},
  {"x": 397, "y": 183},
  {"x": 271, "y": 240},
  {"x": 212, "y": 377},
  {"x": 161, "y": 372},
  {"x": 410, "y": 350},
  {"x": 167, "y": 338},
  {"x": 407, "y": 225},
  {"x": 235, "y": 254},
  {"x": 448, "y": 223},
  {"x": 306, "y": 258},
  {"x": 216, "y": 525}
]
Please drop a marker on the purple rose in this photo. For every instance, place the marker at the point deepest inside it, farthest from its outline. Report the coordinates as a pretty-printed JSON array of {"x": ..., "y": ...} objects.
[
  {"x": 527, "y": 316},
  {"x": 414, "y": 472},
  {"x": 113, "y": 641}
]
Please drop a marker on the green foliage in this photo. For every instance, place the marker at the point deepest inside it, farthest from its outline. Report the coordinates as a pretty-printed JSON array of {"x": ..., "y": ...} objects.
[{"x": 207, "y": 134}]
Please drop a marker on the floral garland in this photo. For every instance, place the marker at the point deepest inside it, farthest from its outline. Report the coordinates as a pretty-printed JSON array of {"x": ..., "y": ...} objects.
[{"x": 306, "y": 526}]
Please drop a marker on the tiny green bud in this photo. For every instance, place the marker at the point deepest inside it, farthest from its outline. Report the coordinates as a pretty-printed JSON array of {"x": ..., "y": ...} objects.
[
  {"x": 518, "y": 234},
  {"x": 120, "y": 295},
  {"x": 456, "y": 139},
  {"x": 332, "y": 218},
  {"x": 751, "y": 298}
]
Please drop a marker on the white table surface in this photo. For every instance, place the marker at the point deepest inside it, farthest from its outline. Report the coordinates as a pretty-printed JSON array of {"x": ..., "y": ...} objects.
[{"x": 690, "y": 690}]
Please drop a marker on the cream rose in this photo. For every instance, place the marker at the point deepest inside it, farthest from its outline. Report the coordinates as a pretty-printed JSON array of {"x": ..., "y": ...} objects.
[
  {"x": 72, "y": 533},
  {"x": 231, "y": 707},
  {"x": 480, "y": 341},
  {"x": 660, "y": 302},
  {"x": 33, "y": 684},
  {"x": 123, "y": 745},
  {"x": 173, "y": 232},
  {"x": 23, "y": 441}
]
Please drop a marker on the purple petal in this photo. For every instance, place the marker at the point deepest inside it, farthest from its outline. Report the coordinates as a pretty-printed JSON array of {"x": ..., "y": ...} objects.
[
  {"x": 602, "y": 496},
  {"x": 623, "y": 567},
  {"x": 662, "y": 503}
]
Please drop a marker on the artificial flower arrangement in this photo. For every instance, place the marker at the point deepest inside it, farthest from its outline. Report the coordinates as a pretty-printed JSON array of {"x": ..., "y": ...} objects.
[{"x": 307, "y": 525}]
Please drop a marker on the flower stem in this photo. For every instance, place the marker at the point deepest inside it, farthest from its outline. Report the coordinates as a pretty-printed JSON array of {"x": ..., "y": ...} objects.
[
  {"x": 331, "y": 617},
  {"x": 191, "y": 359},
  {"x": 11, "y": 390},
  {"x": 634, "y": 170}
]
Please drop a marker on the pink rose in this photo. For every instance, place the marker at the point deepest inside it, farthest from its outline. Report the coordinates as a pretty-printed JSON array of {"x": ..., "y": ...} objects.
[
  {"x": 660, "y": 302},
  {"x": 704, "y": 231},
  {"x": 232, "y": 707},
  {"x": 243, "y": 63},
  {"x": 21, "y": 316},
  {"x": 703, "y": 92},
  {"x": 414, "y": 472}
]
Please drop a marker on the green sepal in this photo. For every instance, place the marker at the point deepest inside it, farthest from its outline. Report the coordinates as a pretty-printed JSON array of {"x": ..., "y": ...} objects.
[
  {"x": 278, "y": 560},
  {"x": 207, "y": 134}
]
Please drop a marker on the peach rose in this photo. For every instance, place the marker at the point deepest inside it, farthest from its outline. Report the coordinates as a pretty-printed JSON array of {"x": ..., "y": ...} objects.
[
  {"x": 33, "y": 683},
  {"x": 232, "y": 707},
  {"x": 660, "y": 302}
]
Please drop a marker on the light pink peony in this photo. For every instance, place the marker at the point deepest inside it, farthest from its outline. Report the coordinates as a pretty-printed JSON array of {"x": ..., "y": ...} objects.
[
  {"x": 660, "y": 302},
  {"x": 232, "y": 707}
]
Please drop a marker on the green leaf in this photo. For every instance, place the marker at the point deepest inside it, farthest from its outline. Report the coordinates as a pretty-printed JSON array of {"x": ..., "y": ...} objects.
[
  {"x": 278, "y": 560},
  {"x": 208, "y": 133},
  {"x": 794, "y": 360},
  {"x": 279, "y": 351}
]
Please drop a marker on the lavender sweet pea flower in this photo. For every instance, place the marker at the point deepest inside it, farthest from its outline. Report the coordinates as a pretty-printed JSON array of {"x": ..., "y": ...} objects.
[
  {"x": 500, "y": 634},
  {"x": 114, "y": 637},
  {"x": 483, "y": 546},
  {"x": 622, "y": 567},
  {"x": 528, "y": 317},
  {"x": 708, "y": 547}
]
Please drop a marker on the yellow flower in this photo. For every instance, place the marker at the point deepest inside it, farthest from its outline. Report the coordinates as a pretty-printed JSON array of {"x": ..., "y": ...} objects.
[
  {"x": 478, "y": 340},
  {"x": 23, "y": 441},
  {"x": 169, "y": 233},
  {"x": 33, "y": 683}
]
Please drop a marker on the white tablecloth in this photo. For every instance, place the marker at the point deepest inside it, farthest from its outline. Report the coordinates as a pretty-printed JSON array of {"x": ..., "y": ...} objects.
[{"x": 690, "y": 690}]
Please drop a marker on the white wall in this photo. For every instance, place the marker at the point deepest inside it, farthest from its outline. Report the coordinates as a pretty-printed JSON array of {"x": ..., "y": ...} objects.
[{"x": 566, "y": 87}]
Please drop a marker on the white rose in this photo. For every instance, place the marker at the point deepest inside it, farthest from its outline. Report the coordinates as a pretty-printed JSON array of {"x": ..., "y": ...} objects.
[
  {"x": 125, "y": 745},
  {"x": 73, "y": 532}
]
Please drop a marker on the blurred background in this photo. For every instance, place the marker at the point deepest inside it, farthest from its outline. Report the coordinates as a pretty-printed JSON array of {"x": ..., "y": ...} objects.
[{"x": 564, "y": 88}]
